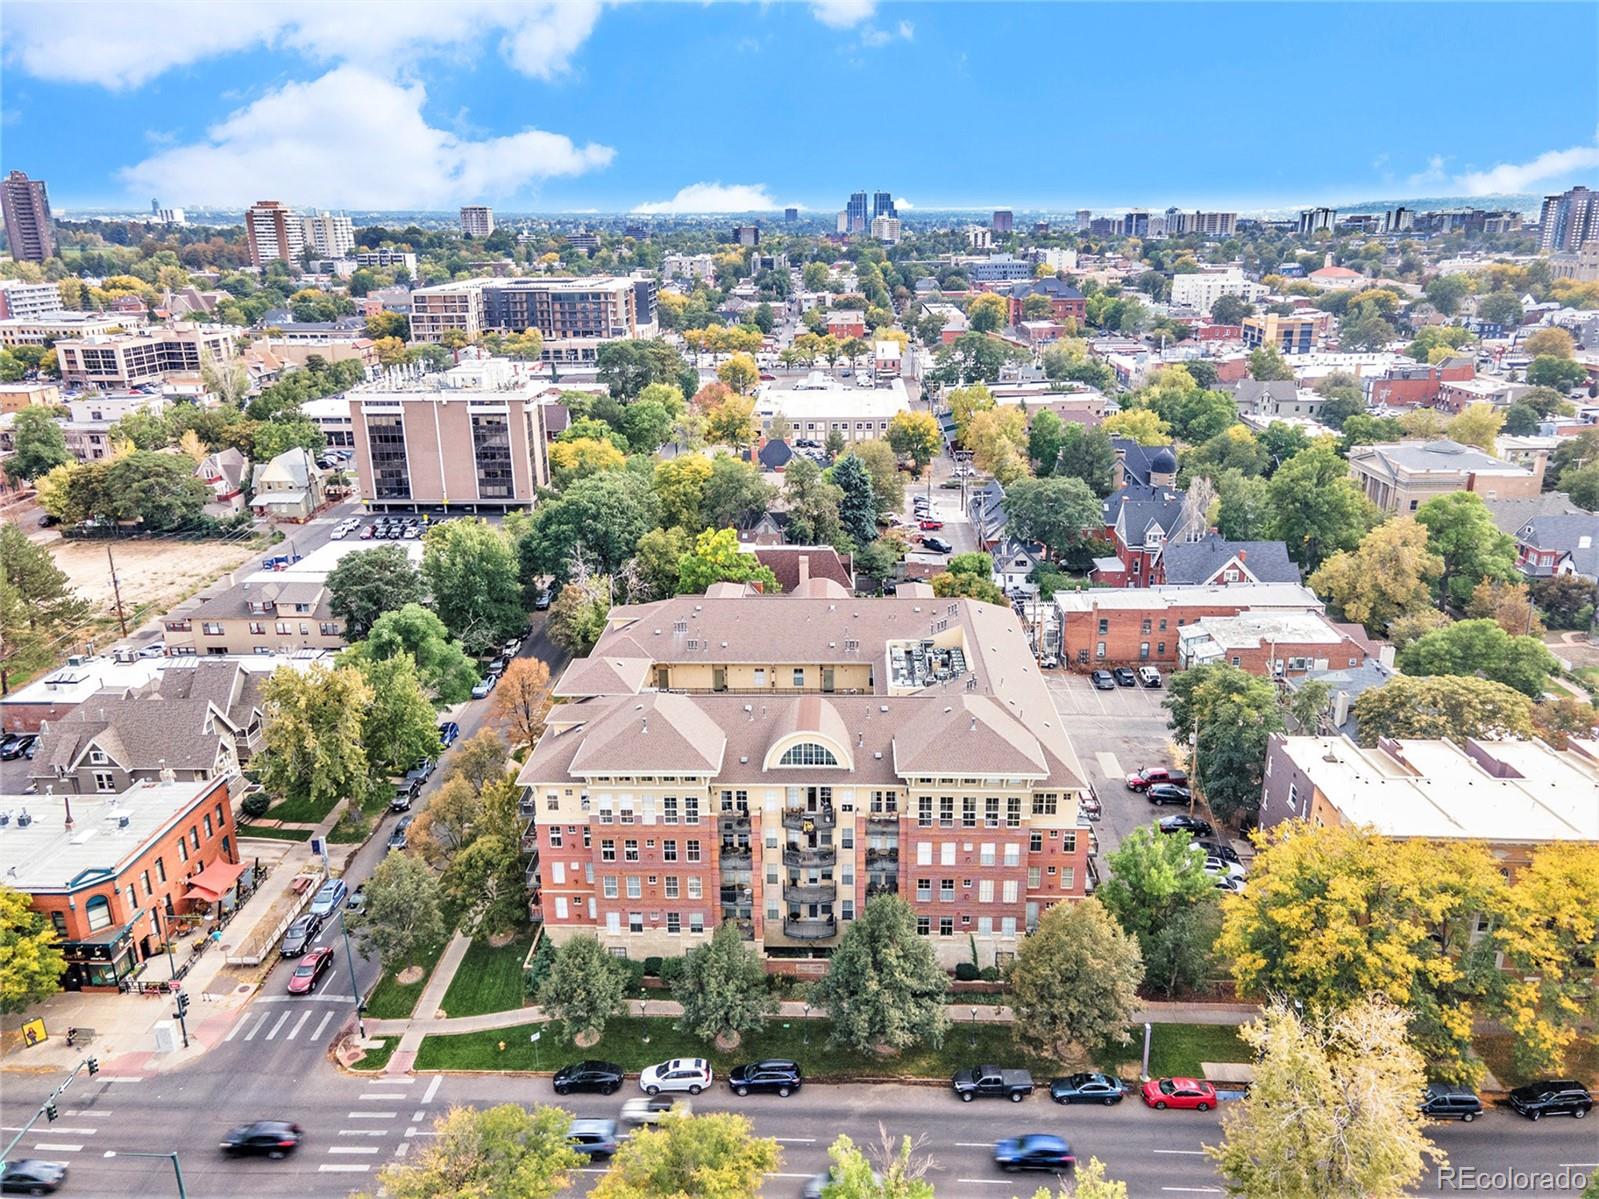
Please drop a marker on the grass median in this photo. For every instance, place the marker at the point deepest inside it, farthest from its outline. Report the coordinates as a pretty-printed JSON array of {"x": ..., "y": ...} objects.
[
  {"x": 489, "y": 979},
  {"x": 394, "y": 1000}
]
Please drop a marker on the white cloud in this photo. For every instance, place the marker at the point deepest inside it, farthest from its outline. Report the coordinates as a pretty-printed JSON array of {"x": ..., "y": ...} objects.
[
  {"x": 843, "y": 14},
  {"x": 1512, "y": 177},
  {"x": 904, "y": 204},
  {"x": 353, "y": 139},
  {"x": 1432, "y": 176},
  {"x": 714, "y": 197},
  {"x": 121, "y": 45}
]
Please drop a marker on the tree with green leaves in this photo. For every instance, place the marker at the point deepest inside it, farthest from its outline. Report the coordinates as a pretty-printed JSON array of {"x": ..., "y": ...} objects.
[
  {"x": 505, "y": 1152},
  {"x": 586, "y": 987},
  {"x": 470, "y": 570},
  {"x": 1227, "y": 714},
  {"x": 42, "y": 588},
  {"x": 1566, "y": 601},
  {"x": 1453, "y": 706},
  {"x": 364, "y": 585},
  {"x": 1267, "y": 365},
  {"x": 1461, "y": 531},
  {"x": 31, "y": 963},
  {"x": 813, "y": 504},
  {"x": 1075, "y": 979},
  {"x": 1060, "y": 513},
  {"x": 157, "y": 490},
  {"x": 896, "y": 1173},
  {"x": 598, "y": 520},
  {"x": 884, "y": 987},
  {"x": 721, "y": 986},
  {"x": 1389, "y": 575},
  {"x": 577, "y": 617},
  {"x": 313, "y": 736},
  {"x": 715, "y": 1156},
  {"x": 1045, "y": 437},
  {"x": 402, "y": 915},
  {"x": 1332, "y": 1112},
  {"x": 442, "y": 667},
  {"x": 1317, "y": 509},
  {"x": 1243, "y": 506},
  {"x": 486, "y": 877},
  {"x": 857, "y": 509},
  {"x": 628, "y": 367},
  {"x": 917, "y": 436},
  {"x": 717, "y": 557},
  {"x": 1482, "y": 649},
  {"x": 1562, "y": 374},
  {"x": 38, "y": 443},
  {"x": 1086, "y": 454},
  {"x": 399, "y": 727},
  {"x": 1158, "y": 891}
]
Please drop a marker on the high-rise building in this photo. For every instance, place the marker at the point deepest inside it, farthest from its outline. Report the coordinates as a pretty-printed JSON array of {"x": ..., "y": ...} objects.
[
  {"x": 859, "y": 215},
  {"x": 885, "y": 229},
  {"x": 1398, "y": 220},
  {"x": 1004, "y": 221},
  {"x": 1085, "y": 217},
  {"x": 171, "y": 216},
  {"x": 1135, "y": 223},
  {"x": 747, "y": 235},
  {"x": 1211, "y": 224},
  {"x": 1567, "y": 222},
  {"x": 28, "y": 301},
  {"x": 26, "y": 208},
  {"x": 790, "y": 215},
  {"x": 1314, "y": 220},
  {"x": 329, "y": 236},
  {"x": 883, "y": 205},
  {"x": 275, "y": 232},
  {"x": 574, "y": 316},
  {"x": 477, "y": 220}
]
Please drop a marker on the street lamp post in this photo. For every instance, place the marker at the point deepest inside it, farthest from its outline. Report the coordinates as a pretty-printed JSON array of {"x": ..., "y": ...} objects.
[
  {"x": 644, "y": 1012},
  {"x": 974, "y": 1028},
  {"x": 166, "y": 939},
  {"x": 176, "y": 1168},
  {"x": 355, "y": 984}
]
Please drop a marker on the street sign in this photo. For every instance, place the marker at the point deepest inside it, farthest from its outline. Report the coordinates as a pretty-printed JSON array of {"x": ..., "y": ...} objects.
[
  {"x": 319, "y": 849},
  {"x": 535, "y": 1037}
]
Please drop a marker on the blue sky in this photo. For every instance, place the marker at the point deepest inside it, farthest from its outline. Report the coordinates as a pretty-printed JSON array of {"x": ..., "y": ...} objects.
[{"x": 574, "y": 104}]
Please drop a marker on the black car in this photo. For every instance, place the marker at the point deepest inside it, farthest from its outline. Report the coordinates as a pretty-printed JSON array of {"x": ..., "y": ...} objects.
[
  {"x": 1444, "y": 1102},
  {"x": 300, "y": 935},
  {"x": 405, "y": 793},
  {"x": 1167, "y": 793},
  {"x": 1087, "y": 1088},
  {"x": 1103, "y": 680},
  {"x": 1037, "y": 1151},
  {"x": 1125, "y": 677},
  {"x": 937, "y": 544},
  {"x": 604, "y": 1077},
  {"x": 1219, "y": 849},
  {"x": 774, "y": 1074},
  {"x": 1185, "y": 824},
  {"x": 19, "y": 746},
  {"x": 1552, "y": 1098},
  {"x": 400, "y": 838},
  {"x": 30, "y": 1176},
  {"x": 275, "y": 1138}
]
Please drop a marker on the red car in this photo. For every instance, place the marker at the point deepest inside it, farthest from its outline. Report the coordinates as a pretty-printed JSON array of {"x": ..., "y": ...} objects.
[
  {"x": 1149, "y": 775},
  {"x": 1161, "y": 1093},
  {"x": 310, "y": 970},
  {"x": 928, "y": 522}
]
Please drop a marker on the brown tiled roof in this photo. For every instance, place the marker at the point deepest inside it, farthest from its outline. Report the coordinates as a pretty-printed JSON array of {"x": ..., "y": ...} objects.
[
  {"x": 821, "y": 561},
  {"x": 138, "y": 732},
  {"x": 657, "y": 732}
]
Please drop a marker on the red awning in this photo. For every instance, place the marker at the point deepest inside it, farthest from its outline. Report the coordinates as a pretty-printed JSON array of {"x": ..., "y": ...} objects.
[{"x": 212, "y": 883}]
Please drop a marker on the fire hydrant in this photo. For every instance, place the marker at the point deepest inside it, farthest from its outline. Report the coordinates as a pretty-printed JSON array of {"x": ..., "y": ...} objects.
[{"x": 502, "y": 1046}]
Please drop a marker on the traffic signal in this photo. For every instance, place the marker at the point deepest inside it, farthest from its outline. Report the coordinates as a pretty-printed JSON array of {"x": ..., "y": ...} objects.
[
  {"x": 94, "y": 1066},
  {"x": 50, "y": 1110},
  {"x": 183, "y": 1002}
]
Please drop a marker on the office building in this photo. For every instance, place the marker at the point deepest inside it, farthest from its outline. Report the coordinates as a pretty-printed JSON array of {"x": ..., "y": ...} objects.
[
  {"x": 26, "y": 207},
  {"x": 1201, "y": 290},
  {"x": 29, "y": 300},
  {"x": 883, "y": 205},
  {"x": 1566, "y": 222},
  {"x": 1290, "y": 334},
  {"x": 1135, "y": 223},
  {"x": 117, "y": 362},
  {"x": 776, "y": 761},
  {"x": 470, "y": 438},
  {"x": 790, "y": 215},
  {"x": 1399, "y": 220},
  {"x": 1314, "y": 220},
  {"x": 746, "y": 235},
  {"x": 1085, "y": 217},
  {"x": 477, "y": 220},
  {"x": 275, "y": 232},
  {"x": 1003, "y": 222},
  {"x": 857, "y": 215},
  {"x": 329, "y": 236}
]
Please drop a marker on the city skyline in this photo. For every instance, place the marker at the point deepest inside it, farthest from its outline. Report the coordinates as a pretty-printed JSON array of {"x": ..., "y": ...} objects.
[{"x": 208, "y": 112}]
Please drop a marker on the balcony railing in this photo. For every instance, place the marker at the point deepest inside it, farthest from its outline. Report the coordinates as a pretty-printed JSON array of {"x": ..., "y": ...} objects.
[
  {"x": 800, "y": 858},
  {"x": 882, "y": 817},
  {"x": 881, "y": 854},
  {"x": 805, "y": 929},
  {"x": 882, "y": 886},
  {"x": 806, "y": 820},
  {"x": 733, "y": 822},
  {"x": 734, "y": 858},
  {"x": 810, "y": 892}
]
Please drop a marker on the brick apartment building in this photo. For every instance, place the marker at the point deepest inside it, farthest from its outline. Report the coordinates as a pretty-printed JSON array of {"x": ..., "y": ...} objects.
[
  {"x": 1065, "y": 301},
  {"x": 778, "y": 760},
  {"x": 1271, "y": 643},
  {"x": 1412, "y": 384}
]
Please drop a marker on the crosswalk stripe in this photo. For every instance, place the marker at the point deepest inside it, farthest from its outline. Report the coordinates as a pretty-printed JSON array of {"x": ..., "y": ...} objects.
[
  {"x": 326, "y": 1016},
  {"x": 53, "y": 1147},
  {"x": 373, "y": 1115},
  {"x": 237, "y": 1026},
  {"x": 341, "y": 1168},
  {"x": 282, "y": 1020},
  {"x": 259, "y": 1024},
  {"x": 298, "y": 1025},
  {"x": 81, "y": 1132},
  {"x": 362, "y": 1132},
  {"x": 85, "y": 1111},
  {"x": 382, "y": 1095},
  {"x": 433, "y": 1088},
  {"x": 352, "y": 1148}
]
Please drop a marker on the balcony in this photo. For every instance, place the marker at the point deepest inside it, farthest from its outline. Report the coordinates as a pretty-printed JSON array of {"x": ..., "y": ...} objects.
[
  {"x": 881, "y": 886},
  {"x": 810, "y": 892},
  {"x": 733, "y": 822},
  {"x": 797, "y": 859},
  {"x": 807, "y": 820},
  {"x": 882, "y": 818},
  {"x": 735, "y": 857},
  {"x": 885, "y": 854},
  {"x": 803, "y": 929}
]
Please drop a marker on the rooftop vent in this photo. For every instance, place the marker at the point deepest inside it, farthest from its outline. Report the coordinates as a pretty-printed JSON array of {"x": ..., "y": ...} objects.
[{"x": 23, "y": 819}]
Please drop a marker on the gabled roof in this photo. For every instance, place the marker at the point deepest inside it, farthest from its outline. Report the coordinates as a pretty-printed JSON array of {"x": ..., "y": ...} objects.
[
  {"x": 1133, "y": 511},
  {"x": 1198, "y": 562},
  {"x": 1251, "y": 391},
  {"x": 660, "y": 732},
  {"x": 821, "y": 562},
  {"x": 138, "y": 733},
  {"x": 775, "y": 454},
  {"x": 1140, "y": 461},
  {"x": 1055, "y": 289},
  {"x": 1576, "y": 536}
]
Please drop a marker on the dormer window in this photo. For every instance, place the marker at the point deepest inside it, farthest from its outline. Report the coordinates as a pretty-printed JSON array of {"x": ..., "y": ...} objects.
[
  {"x": 97, "y": 757},
  {"x": 808, "y": 753}
]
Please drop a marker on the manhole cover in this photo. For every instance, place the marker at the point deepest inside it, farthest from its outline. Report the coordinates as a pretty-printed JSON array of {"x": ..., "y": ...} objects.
[{"x": 242, "y": 989}]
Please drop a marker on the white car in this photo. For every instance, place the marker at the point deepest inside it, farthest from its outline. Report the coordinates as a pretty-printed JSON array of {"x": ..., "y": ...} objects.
[{"x": 691, "y": 1074}]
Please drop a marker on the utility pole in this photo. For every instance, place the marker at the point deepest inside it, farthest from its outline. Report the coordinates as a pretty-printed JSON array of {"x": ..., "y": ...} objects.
[
  {"x": 116, "y": 590},
  {"x": 48, "y": 1107}
]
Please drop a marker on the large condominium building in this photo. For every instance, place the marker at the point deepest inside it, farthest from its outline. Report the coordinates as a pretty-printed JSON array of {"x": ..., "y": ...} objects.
[
  {"x": 1566, "y": 222},
  {"x": 385, "y": 258},
  {"x": 574, "y": 316},
  {"x": 477, "y": 220},
  {"x": 1314, "y": 220},
  {"x": 275, "y": 231},
  {"x": 1211, "y": 224},
  {"x": 775, "y": 761},
  {"x": 26, "y": 207},
  {"x": 470, "y": 438},
  {"x": 857, "y": 216},
  {"x": 438, "y": 309},
  {"x": 256, "y": 616},
  {"x": 1202, "y": 289},
  {"x": 128, "y": 360},
  {"x": 27, "y": 301},
  {"x": 329, "y": 236}
]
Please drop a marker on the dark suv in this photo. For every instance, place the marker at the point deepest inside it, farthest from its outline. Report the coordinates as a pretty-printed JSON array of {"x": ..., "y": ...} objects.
[
  {"x": 774, "y": 1074},
  {"x": 1444, "y": 1102},
  {"x": 604, "y": 1077},
  {"x": 1552, "y": 1098}
]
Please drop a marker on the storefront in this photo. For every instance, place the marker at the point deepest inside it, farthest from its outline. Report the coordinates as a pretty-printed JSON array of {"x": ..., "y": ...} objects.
[{"x": 101, "y": 961}]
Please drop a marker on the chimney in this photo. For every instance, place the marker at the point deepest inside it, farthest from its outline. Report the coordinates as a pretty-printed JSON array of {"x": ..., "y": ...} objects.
[
  {"x": 804, "y": 569},
  {"x": 1242, "y": 554}
]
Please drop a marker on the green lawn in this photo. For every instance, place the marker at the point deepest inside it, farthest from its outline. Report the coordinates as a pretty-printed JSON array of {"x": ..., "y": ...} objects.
[
  {"x": 489, "y": 980},
  {"x": 393, "y": 1001},
  {"x": 1498, "y": 1051},
  {"x": 806, "y": 1042},
  {"x": 276, "y": 834},
  {"x": 378, "y": 1058},
  {"x": 300, "y": 811}
]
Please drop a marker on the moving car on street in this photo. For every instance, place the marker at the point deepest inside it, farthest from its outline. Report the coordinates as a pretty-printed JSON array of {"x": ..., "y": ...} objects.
[
  {"x": 1088, "y": 1087},
  {"x": 1035, "y": 1151},
  {"x": 32, "y": 1176},
  {"x": 300, "y": 934},
  {"x": 988, "y": 1082},
  {"x": 1194, "y": 1094},
  {"x": 594, "y": 1138},
  {"x": 275, "y": 1138},
  {"x": 310, "y": 970},
  {"x": 329, "y": 897},
  {"x": 648, "y": 1109}
]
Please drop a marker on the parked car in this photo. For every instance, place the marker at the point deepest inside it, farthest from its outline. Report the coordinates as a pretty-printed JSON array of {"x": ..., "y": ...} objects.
[
  {"x": 421, "y": 772},
  {"x": 1048, "y": 662},
  {"x": 1161, "y": 1093},
  {"x": 300, "y": 934},
  {"x": 773, "y": 1074},
  {"x": 310, "y": 970},
  {"x": 1103, "y": 680},
  {"x": 648, "y": 1109},
  {"x": 367, "y": 533},
  {"x": 1220, "y": 867},
  {"x": 1218, "y": 849},
  {"x": 398, "y": 839},
  {"x": 593, "y": 1138},
  {"x": 32, "y": 1176},
  {"x": 1230, "y": 885},
  {"x": 18, "y": 747},
  {"x": 1167, "y": 793},
  {"x": 156, "y": 649},
  {"x": 275, "y": 1138},
  {"x": 405, "y": 793},
  {"x": 1561, "y": 1097},
  {"x": 937, "y": 544},
  {"x": 497, "y": 667},
  {"x": 1087, "y": 1087},
  {"x": 484, "y": 686},
  {"x": 6, "y": 744},
  {"x": 339, "y": 533},
  {"x": 929, "y": 524},
  {"x": 604, "y": 1077},
  {"x": 1149, "y": 676},
  {"x": 511, "y": 648},
  {"x": 448, "y": 732},
  {"x": 1125, "y": 676},
  {"x": 357, "y": 900},
  {"x": 1443, "y": 1101},
  {"x": 544, "y": 599},
  {"x": 329, "y": 897},
  {"x": 991, "y": 1081},
  {"x": 1149, "y": 775},
  {"x": 691, "y": 1074},
  {"x": 1036, "y": 1151},
  {"x": 1183, "y": 823}
]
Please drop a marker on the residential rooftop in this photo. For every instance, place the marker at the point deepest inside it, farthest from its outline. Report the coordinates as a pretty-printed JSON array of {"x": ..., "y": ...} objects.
[{"x": 1251, "y": 595}]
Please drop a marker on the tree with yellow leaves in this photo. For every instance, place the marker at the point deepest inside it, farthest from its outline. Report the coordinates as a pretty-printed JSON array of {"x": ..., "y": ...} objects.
[
  {"x": 572, "y": 460},
  {"x": 1139, "y": 424},
  {"x": 30, "y": 959},
  {"x": 1478, "y": 425},
  {"x": 967, "y": 402},
  {"x": 1389, "y": 575},
  {"x": 731, "y": 422},
  {"x": 988, "y": 313},
  {"x": 997, "y": 438},
  {"x": 740, "y": 373}
]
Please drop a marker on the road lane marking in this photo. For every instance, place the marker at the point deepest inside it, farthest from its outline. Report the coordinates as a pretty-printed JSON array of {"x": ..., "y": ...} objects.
[
  {"x": 796, "y": 1140},
  {"x": 993, "y": 1182},
  {"x": 1186, "y": 1152},
  {"x": 298, "y": 1025},
  {"x": 363, "y": 1132},
  {"x": 420, "y": 1132},
  {"x": 282, "y": 1020},
  {"x": 342, "y": 1168},
  {"x": 81, "y": 1132},
  {"x": 265, "y": 1016},
  {"x": 124, "y": 1078},
  {"x": 373, "y": 1115},
  {"x": 419, "y": 1114},
  {"x": 1194, "y": 1190},
  {"x": 433, "y": 1088},
  {"x": 54, "y": 1147},
  {"x": 326, "y": 1016},
  {"x": 352, "y": 1148},
  {"x": 382, "y": 1095},
  {"x": 86, "y": 1111},
  {"x": 400, "y": 1149}
]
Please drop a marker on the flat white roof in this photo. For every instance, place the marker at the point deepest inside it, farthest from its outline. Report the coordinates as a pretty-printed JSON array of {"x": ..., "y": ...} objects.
[
  {"x": 315, "y": 566},
  {"x": 1251, "y": 595},
  {"x": 1249, "y": 630},
  {"x": 836, "y": 402}
]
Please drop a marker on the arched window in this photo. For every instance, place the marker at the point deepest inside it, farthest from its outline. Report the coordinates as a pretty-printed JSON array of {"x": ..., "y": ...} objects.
[
  {"x": 807, "y": 753},
  {"x": 98, "y": 912}
]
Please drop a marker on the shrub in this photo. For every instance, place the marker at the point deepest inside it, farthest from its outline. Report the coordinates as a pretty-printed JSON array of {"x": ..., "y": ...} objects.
[
  {"x": 966, "y": 972},
  {"x": 989, "y": 974},
  {"x": 255, "y": 804},
  {"x": 652, "y": 967}
]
